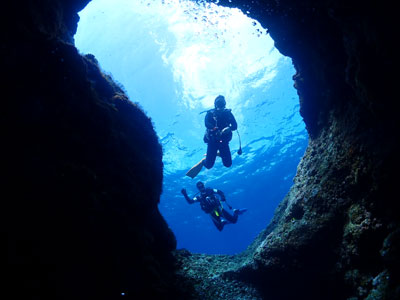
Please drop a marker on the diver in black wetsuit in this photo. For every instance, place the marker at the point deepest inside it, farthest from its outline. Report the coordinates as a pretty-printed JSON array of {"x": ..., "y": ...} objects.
[
  {"x": 211, "y": 205},
  {"x": 220, "y": 123}
]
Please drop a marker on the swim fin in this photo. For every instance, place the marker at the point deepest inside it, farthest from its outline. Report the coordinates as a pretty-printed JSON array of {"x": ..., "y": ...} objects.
[{"x": 192, "y": 173}]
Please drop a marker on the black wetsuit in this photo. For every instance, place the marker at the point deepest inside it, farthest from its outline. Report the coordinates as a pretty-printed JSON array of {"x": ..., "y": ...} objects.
[
  {"x": 216, "y": 121},
  {"x": 210, "y": 204}
]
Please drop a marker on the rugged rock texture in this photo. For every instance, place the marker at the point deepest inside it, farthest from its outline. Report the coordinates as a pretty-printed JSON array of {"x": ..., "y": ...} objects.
[
  {"x": 336, "y": 234},
  {"x": 82, "y": 168}
]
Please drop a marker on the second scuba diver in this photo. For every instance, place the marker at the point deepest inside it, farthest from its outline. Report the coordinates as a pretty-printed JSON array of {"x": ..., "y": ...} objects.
[{"x": 211, "y": 205}]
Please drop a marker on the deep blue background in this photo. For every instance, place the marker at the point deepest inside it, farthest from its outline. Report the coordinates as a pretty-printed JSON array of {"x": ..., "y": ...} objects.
[{"x": 173, "y": 63}]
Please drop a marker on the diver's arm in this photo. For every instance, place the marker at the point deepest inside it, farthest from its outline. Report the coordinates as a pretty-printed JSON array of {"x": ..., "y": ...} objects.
[
  {"x": 221, "y": 193},
  {"x": 184, "y": 193},
  {"x": 222, "y": 197},
  {"x": 209, "y": 121},
  {"x": 233, "y": 122}
]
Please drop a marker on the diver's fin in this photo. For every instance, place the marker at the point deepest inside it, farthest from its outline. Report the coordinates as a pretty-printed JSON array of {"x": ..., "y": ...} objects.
[{"x": 192, "y": 173}]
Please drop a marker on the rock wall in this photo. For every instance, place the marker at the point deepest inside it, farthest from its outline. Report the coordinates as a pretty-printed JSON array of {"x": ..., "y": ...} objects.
[
  {"x": 336, "y": 233},
  {"x": 82, "y": 168}
]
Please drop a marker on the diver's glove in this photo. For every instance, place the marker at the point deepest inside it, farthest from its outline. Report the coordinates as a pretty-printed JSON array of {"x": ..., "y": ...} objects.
[{"x": 183, "y": 191}]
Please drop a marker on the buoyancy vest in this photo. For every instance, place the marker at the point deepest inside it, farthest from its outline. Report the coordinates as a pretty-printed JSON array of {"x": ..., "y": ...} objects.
[
  {"x": 209, "y": 203},
  {"x": 220, "y": 119}
]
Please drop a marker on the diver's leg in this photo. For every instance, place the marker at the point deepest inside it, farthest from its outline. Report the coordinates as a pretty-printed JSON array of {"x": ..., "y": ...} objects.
[
  {"x": 217, "y": 222},
  {"x": 211, "y": 155},
  {"x": 225, "y": 153},
  {"x": 229, "y": 217}
]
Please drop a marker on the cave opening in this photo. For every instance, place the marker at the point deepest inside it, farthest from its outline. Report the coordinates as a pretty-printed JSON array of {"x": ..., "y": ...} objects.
[{"x": 173, "y": 58}]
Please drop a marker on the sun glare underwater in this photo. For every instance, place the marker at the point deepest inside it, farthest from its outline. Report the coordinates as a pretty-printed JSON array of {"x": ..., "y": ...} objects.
[{"x": 173, "y": 58}]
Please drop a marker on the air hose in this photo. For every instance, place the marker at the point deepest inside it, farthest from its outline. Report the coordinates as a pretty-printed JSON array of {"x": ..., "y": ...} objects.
[{"x": 239, "y": 152}]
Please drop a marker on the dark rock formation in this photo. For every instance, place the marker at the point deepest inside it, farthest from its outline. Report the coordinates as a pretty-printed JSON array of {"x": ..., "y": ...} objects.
[
  {"x": 82, "y": 170},
  {"x": 335, "y": 235}
]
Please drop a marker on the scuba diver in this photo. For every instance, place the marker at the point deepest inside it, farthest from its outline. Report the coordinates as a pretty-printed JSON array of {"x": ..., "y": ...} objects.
[
  {"x": 210, "y": 202},
  {"x": 219, "y": 123}
]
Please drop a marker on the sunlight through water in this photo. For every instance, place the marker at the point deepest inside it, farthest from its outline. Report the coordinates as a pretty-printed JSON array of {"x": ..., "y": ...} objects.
[{"x": 173, "y": 58}]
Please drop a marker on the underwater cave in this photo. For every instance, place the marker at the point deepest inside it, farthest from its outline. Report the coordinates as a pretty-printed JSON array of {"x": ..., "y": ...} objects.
[
  {"x": 196, "y": 52},
  {"x": 83, "y": 168}
]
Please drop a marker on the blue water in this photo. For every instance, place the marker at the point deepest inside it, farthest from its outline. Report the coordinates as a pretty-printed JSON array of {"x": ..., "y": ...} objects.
[{"x": 174, "y": 59}]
